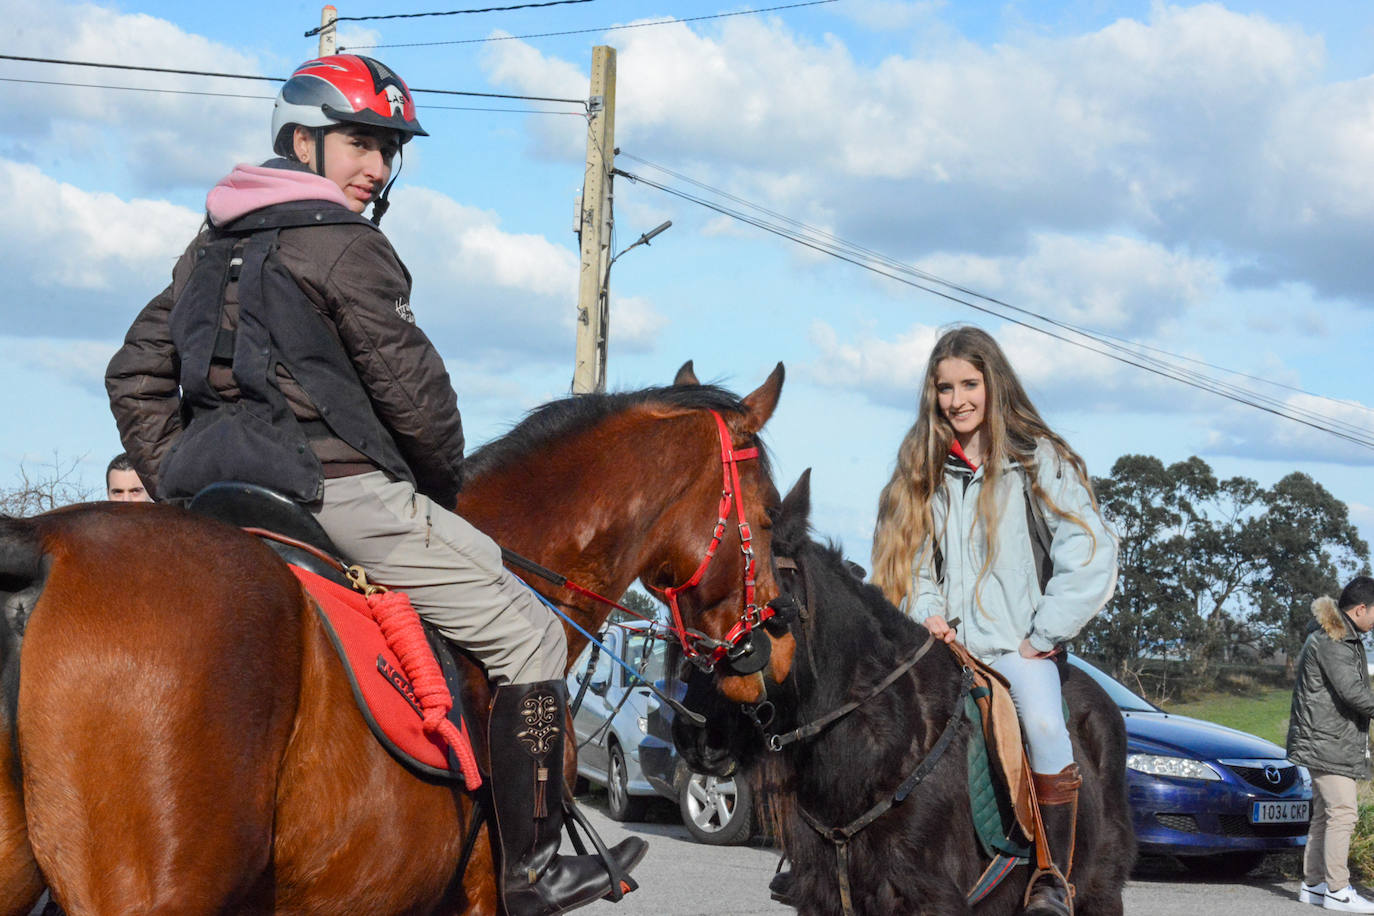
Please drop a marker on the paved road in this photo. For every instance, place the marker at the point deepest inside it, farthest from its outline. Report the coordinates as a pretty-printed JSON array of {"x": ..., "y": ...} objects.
[{"x": 680, "y": 877}]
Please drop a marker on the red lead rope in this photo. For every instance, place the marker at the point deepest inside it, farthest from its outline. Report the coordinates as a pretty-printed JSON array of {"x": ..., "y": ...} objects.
[{"x": 753, "y": 616}]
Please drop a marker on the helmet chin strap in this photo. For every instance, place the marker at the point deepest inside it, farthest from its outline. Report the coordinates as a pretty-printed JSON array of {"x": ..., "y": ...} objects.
[
  {"x": 318, "y": 133},
  {"x": 380, "y": 205}
]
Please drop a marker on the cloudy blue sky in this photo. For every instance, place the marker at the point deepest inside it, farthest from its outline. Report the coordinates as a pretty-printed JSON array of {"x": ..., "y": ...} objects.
[{"x": 1191, "y": 177}]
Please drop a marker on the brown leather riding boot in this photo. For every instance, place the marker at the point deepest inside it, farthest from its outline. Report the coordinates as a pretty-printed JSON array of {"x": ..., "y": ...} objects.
[
  {"x": 527, "y": 736},
  {"x": 1050, "y": 893}
]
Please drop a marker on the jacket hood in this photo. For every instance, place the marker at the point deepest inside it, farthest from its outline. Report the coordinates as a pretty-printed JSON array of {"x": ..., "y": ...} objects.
[
  {"x": 277, "y": 181},
  {"x": 1331, "y": 620}
]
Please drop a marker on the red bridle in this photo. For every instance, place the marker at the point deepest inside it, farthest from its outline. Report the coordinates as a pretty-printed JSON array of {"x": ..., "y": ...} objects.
[{"x": 712, "y": 651}]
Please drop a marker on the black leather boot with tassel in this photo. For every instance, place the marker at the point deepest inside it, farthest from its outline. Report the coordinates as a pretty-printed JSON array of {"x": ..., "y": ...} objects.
[
  {"x": 527, "y": 736},
  {"x": 1050, "y": 893}
]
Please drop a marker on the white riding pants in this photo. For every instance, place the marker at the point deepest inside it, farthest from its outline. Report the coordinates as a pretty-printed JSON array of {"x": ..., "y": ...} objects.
[{"x": 1039, "y": 703}]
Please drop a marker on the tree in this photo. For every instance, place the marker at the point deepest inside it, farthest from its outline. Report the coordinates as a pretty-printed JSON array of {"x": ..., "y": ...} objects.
[
  {"x": 1138, "y": 502},
  {"x": 1310, "y": 549},
  {"x": 55, "y": 483},
  {"x": 638, "y": 602}
]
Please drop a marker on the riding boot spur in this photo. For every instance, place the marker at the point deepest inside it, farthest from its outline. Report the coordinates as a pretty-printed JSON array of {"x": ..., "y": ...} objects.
[
  {"x": 1050, "y": 893},
  {"x": 527, "y": 737}
]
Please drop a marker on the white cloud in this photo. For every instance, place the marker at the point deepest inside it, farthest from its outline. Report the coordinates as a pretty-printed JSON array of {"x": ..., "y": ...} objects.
[
  {"x": 1199, "y": 128},
  {"x": 147, "y": 129},
  {"x": 70, "y": 240},
  {"x": 1248, "y": 433}
]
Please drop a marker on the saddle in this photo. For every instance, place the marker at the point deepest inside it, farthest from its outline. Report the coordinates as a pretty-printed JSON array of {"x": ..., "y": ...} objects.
[
  {"x": 1001, "y": 730},
  {"x": 385, "y": 693}
]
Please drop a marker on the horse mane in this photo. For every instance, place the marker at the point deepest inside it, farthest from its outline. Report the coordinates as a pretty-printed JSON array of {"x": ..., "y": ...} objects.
[{"x": 571, "y": 415}]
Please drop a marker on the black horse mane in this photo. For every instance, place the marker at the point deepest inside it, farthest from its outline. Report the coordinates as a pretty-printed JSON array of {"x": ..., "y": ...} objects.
[{"x": 571, "y": 415}]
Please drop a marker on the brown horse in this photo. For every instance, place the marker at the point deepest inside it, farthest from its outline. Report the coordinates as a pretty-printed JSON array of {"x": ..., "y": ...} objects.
[{"x": 186, "y": 739}]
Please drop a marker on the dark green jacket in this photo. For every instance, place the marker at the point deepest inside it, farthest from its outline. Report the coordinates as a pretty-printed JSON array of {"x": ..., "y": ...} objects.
[{"x": 1332, "y": 704}]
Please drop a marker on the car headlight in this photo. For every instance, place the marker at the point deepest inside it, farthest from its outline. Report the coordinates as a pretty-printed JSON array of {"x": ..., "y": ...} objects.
[
  {"x": 1178, "y": 767},
  {"x": 643, "y": 724}
]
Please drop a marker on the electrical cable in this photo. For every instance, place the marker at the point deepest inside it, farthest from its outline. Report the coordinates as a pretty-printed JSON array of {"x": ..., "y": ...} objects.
[
  {"x": 222, "y": 95},
  {"x": 609, "y": 28},
  {"x": 1100, "y": 336},
  {"x": 490, "y": 9},
  {"x": 912, "y": 277},
  {"x": 270, "y": 79}
]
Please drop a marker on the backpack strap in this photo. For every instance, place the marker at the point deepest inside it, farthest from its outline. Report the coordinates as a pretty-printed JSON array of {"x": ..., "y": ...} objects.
[{"x": 1040, "y": 537}]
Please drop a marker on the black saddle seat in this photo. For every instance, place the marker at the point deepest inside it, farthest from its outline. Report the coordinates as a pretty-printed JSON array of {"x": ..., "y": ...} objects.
[{"x": 247, "y": 505}]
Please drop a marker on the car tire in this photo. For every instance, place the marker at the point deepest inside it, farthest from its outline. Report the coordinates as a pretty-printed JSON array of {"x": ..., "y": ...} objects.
[
  {"x": 1225, "y": 865},
  {"x": 716, "y": 811},
  {"x": 620, "y": 804}
]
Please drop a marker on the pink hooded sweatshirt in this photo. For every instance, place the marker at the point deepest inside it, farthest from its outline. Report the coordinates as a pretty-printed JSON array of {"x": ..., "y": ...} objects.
[{"x": 252, "y": 187}]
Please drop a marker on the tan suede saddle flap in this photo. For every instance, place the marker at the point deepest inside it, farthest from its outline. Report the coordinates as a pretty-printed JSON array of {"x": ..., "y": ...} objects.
[{"x": 1002, "y": 731}]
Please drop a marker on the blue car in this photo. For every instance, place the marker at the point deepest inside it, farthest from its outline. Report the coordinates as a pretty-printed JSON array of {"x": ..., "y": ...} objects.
[{"x": 1217, "y": 798}]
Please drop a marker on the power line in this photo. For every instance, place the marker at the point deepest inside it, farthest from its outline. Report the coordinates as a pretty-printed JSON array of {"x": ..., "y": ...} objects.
[
  {"x": 491, "y": 9},
  {"x": 271, "y": 79},
  {"x": 893, "y": 270},
  {"x": 1102, "y": 336},
  {"x": 609, "y": 28},
  {"x": 268, "y": 98},
  {"x": 222, "y": 95}
]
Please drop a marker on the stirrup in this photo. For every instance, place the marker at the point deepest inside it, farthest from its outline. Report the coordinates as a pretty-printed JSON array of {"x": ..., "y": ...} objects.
[
  {"x": 1057, "y": 876},
  {"x": 621, "y": 882}
]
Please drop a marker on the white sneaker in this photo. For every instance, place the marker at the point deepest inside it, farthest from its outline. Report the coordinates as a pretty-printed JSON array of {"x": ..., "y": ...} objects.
[
  {"x": 1314, "y": 894},
  {"x": 1347, "y": 900}
]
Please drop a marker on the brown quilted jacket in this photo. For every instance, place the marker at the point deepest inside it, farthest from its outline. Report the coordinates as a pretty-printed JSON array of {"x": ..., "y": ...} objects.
[{"x": 353, "y": 277}]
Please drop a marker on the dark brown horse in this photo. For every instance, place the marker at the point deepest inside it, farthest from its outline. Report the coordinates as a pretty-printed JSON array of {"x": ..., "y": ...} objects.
[
  {"x": 187, "y": 742},
  {"x": 921, "y": 856}
]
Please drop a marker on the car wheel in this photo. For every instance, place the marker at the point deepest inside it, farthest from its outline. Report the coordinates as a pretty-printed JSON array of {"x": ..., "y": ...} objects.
[
  {"x": 621, "y": 805},
  {"x": 716, "y": 811},
  {"x": 1226, "y": 865}
]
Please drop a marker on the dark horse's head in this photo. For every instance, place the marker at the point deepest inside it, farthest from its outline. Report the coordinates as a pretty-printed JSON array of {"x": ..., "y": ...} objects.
[{"x": 733, "y": 735}]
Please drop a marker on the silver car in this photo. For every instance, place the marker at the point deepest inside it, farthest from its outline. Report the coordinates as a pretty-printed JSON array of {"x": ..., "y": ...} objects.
[
  {"x": 625, "y": 742},
  {"x": 613, "y": 718}
]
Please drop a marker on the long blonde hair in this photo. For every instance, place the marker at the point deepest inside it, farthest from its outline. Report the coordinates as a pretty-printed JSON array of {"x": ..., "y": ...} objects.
[{"x": 905, "y": 522}]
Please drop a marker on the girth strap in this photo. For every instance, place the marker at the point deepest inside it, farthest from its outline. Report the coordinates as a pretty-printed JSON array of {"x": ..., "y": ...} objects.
[{"x": 840, "y": 836}]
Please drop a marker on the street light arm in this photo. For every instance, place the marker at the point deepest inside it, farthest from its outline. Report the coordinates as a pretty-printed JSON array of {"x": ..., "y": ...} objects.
[{"x": 644, "y": 239}]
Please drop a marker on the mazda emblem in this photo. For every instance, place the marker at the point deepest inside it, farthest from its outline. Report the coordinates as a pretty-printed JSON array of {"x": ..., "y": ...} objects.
[{"x": 1272, "y": 774}]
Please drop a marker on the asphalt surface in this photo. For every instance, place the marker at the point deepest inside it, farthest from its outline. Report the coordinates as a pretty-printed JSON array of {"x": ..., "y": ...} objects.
[{"x": 680, "y": 877}]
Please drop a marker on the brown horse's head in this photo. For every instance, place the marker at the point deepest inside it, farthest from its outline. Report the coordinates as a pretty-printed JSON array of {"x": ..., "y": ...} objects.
[
  {"x": 715, "y": 605},
  {"x": 610, "y": 488}
]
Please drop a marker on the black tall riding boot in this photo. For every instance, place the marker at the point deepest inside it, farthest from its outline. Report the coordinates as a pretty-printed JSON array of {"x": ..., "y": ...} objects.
[
  {"x": 526, "y": 739},
  {"x": 1050, "y": 893}
]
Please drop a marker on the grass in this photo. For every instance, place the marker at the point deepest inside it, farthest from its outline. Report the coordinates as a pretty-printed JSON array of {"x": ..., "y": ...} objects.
[{"x": 1263, "y": 713}]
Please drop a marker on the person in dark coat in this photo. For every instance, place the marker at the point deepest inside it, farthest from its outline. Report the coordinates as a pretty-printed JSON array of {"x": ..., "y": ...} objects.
[
  {"x": 1328, "y": 733},
  {"x": 285, "y": 353}
]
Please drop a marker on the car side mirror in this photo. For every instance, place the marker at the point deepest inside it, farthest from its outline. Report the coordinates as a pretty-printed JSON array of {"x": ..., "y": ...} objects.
[{"x": 599, "y": 685}]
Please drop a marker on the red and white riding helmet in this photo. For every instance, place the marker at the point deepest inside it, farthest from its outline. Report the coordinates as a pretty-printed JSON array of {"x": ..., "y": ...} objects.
[{"x": 343, "y": 89}]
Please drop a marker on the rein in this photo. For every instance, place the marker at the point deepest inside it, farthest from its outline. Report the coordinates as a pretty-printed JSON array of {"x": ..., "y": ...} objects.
[
  {"x": 840, "y": 837},
  {"x": 777, "y": 742}
]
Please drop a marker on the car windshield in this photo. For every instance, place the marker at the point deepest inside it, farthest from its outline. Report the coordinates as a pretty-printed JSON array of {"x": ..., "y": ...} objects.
[{"x": 1120, "y": 694}]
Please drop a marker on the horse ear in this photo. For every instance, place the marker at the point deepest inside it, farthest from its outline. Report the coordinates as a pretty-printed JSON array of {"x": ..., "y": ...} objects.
[
  {"x": 793, "y": 521},
  {"x": 762, "y": 401},
  {"x": 686, "y": 375}
]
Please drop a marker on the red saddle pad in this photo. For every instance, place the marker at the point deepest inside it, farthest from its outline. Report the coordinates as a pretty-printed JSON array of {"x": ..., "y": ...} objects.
[{"x": 384, "y": 693}]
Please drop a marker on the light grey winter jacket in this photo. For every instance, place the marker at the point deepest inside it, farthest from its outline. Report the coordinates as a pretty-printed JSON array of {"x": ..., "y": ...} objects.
[
  {"x": 1006, "y": 606},
  {"x": 1328, "y": 728}
]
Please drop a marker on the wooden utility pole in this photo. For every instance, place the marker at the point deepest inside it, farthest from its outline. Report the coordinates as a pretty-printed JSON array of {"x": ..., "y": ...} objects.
[
  {"x": 593, "y": 313},
  {"x": 329, "y": 32}
]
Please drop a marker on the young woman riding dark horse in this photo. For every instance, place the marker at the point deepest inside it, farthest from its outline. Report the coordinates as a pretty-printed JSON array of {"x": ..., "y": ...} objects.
[
  {"x": 921, "y": 855},
  {"x": 187, "y": 737}
]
